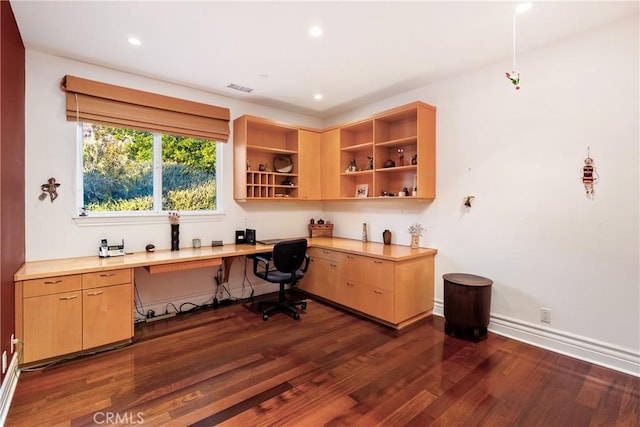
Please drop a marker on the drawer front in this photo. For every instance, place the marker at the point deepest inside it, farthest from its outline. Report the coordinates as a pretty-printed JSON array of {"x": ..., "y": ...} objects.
[
  {"x": 379, "y": 303},
  {"x": 106, "y": 278},
  {"x": 324, "y": 254},
  {"x": 51, "y": 285},
  {"x": 378, "y": 273}
]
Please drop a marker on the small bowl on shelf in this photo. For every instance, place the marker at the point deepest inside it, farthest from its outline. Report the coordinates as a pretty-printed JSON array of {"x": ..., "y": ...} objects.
[{"x": 283, "y": 164}]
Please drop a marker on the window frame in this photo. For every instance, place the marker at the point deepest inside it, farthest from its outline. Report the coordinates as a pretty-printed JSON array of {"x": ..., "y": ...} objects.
[{"x": 155, "y": 216}]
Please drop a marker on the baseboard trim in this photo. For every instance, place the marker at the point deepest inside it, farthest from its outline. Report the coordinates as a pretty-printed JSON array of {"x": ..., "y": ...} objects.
[
  {"x": 8, "y": 388},
  {"x": 579, "y": 347}
]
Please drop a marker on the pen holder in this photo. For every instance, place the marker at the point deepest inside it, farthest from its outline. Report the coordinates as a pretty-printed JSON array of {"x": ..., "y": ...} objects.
[{"x": 175, "y": 237}]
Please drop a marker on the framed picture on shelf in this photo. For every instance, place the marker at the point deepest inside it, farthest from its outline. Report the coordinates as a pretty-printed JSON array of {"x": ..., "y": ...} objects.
[{"x": 362, "y": 190}]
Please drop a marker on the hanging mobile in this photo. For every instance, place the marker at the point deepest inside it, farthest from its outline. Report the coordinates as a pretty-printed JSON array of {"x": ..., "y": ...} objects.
[
  {"x": 589, "y": 176},
  {"x": 514, "y": 76}
]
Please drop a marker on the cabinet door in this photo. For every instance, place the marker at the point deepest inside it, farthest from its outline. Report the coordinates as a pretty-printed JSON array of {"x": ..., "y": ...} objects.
[
  {"x": 52, "y": 325},
  {"x": 309, "y": 165},
  {"x": 322, "y": 278},
  {"x": 350, "y": 284},
  {"x": 330, "y": 161},
  {"x": 240, "y": 158},
  {"x": 107, "y": 315},
  {"x": 378, "y": 302}
]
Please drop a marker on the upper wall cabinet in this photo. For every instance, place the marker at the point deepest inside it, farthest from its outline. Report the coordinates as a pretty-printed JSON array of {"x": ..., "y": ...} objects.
[
  {"x": 275, "y": 161},
  {"x": 380, "y": 157},
  {"x": 386, "y": 155}
]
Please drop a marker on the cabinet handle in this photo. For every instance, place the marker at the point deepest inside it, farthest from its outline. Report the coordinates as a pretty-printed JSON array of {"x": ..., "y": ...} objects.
[
  {"x": 377, "y": 292},
  {"x": 107, "y": 274},
  {"x": 52, "y": 282},
  {"x": 93, "y": 294},
  {"x": 351, "y": 285},
  {"x": 333, "y": 265},
  {"x": 377, "y": 262},
  {"x": 68, "y": 298}
]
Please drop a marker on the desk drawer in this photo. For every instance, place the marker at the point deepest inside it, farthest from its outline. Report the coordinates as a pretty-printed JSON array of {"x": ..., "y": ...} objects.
[
  {"x": 51, "y": 285},
  {"x": 324, "y": 254},
  {"x": 106, "y": 278}
]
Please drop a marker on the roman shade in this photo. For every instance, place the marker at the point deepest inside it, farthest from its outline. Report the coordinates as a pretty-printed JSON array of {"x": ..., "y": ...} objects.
[{"x": 97, "y": 102}]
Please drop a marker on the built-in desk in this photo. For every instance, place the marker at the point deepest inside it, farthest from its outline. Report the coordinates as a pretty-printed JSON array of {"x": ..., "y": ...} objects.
[{"x": 71, "y": 305}]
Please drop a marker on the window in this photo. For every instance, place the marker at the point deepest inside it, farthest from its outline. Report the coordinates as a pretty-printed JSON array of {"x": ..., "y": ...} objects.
[{"x": 136, "y": 171}]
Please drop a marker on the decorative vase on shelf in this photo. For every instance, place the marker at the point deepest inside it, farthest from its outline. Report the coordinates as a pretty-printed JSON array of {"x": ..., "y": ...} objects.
[
  {"x": 415, "y": 241},
  {"x": 386, "y": 237}
]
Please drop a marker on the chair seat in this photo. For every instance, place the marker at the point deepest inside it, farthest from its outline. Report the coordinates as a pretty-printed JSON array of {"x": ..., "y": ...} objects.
[{"x": 276, "y": 276}]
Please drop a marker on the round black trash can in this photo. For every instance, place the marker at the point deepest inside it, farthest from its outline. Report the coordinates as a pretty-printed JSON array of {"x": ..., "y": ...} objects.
[{"x": 467, "y": 304}]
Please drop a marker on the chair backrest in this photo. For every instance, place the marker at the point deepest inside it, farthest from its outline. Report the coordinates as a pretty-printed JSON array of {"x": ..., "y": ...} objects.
[{"x": 288, "y": 255}]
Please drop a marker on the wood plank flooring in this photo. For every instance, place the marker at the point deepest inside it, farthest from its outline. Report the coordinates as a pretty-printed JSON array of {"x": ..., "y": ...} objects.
[{"x": 227, "y": 367}]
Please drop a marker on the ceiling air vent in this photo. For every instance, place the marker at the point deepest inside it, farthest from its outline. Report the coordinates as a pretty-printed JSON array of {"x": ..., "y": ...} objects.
[{"x": 238, "y": 87}]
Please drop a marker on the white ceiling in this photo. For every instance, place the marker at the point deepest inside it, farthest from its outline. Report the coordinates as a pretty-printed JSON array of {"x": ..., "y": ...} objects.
[{"x": 369, "y": 50}]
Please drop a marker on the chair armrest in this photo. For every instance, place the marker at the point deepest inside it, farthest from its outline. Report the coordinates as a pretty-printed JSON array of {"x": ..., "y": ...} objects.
[
  {"x": 261, "y": 262},
  {"x": 305, "y": 266}
]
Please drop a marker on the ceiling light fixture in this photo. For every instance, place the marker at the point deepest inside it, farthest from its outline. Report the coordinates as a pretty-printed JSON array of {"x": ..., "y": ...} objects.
[
  {"x": 134, "y": 41},
  {"x": 317, "y": 96},
  {"x": 240, "y": 88},
  {"x": 521, "y": 8},
  {"x": 315, "y": 31}
]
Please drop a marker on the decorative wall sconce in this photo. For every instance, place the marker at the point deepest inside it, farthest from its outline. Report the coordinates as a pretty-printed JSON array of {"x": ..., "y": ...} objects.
[{"x": 50, "y": 188}]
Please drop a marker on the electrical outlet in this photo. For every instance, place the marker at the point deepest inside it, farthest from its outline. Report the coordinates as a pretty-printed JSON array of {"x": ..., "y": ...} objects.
[{"x": 545, "y": 315}]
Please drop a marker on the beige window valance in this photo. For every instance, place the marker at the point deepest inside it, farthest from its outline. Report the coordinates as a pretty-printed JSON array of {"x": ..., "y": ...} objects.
[{"x": 107, "y": 104}]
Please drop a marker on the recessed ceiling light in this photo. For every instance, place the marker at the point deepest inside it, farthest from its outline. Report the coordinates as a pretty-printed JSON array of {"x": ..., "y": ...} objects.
[
  {"x": 523, "y": 7},
  {"x": 315, "y": 31},
  {"x": 134, "y": 41},
  {"x": 317, "y": 96}
]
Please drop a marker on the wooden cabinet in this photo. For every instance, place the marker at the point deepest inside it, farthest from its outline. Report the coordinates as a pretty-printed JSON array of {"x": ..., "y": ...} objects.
[
  {"x": 67, "y": 314},
  {"x": 107, "y": 308},
  {"x": 392, "y": 151},
  {"x": 261, "y": 147},
  {"x": 373, "y": 158},
  {"x": 309, "y": 151},
  {"x": 322, "y": 276},
  {"x": 396, "y": 293},
  {"x": 52, "y": 321},
  {"x": 330, "y": 161}
]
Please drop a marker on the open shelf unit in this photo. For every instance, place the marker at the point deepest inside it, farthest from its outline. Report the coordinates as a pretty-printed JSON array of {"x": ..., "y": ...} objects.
[
  {"x": 257, "y": 143},
  {"x": 401, "y": 145},
  {"x": 373, "y": 158}
]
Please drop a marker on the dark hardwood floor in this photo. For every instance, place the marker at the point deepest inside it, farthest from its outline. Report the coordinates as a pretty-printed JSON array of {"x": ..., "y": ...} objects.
[{"x": 228, "y": 367}]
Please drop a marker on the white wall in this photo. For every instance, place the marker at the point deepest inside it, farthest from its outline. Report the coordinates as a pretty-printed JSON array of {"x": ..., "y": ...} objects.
[
  {"x": 531, "y": 229},
  {"x": 50, "y": 152}
]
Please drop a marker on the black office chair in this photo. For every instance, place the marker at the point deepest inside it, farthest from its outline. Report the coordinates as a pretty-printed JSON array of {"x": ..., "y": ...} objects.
[{"x": 285, "y": 265}]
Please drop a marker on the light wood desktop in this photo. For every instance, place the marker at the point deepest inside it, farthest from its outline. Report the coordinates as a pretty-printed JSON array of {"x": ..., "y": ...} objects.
[{"x": 67, "y": 306}]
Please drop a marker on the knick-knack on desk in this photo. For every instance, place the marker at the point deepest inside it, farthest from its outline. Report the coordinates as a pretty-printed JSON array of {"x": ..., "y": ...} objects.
[
  {"x": 386, "y": 237},
  {"x": 175, "y": 231}
]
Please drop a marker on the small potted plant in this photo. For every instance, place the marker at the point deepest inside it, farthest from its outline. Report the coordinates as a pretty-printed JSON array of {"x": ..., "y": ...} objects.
[{"x": 415, "y": 230}]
